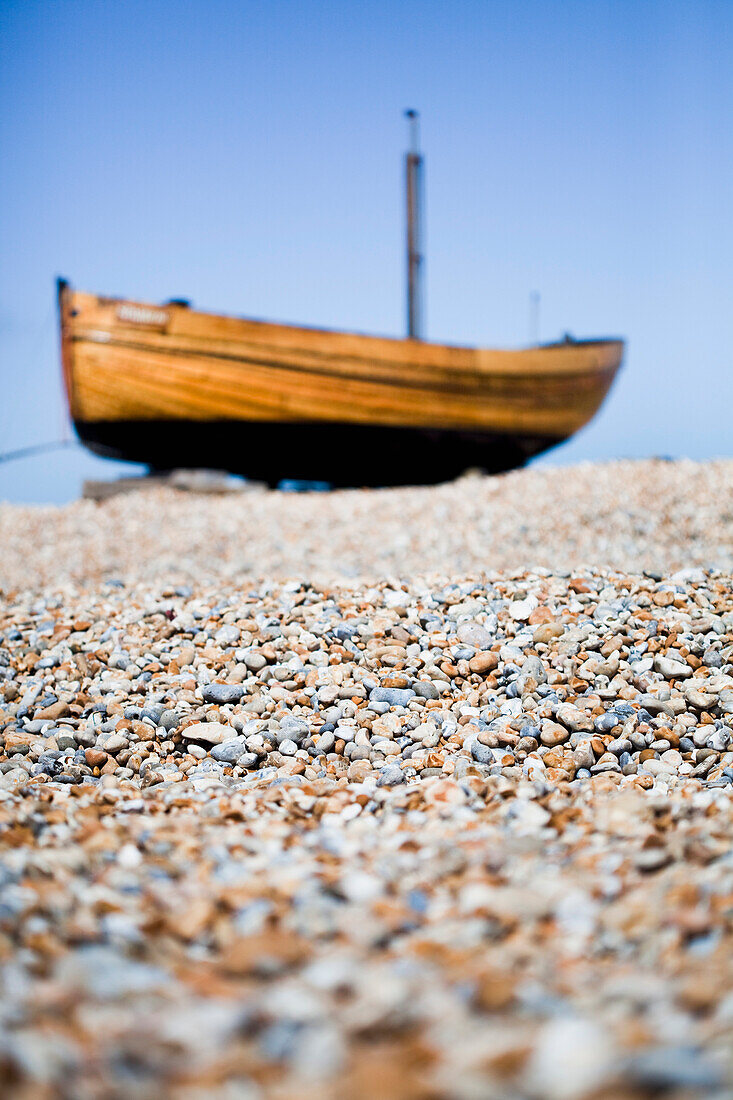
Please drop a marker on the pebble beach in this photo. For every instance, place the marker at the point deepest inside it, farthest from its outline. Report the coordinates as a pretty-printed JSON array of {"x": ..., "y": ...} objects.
[{"x": 408, "y": 793}]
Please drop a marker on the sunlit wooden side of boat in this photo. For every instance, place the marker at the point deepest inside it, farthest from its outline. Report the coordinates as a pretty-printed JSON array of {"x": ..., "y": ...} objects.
[{"x": 128, "y": 364}]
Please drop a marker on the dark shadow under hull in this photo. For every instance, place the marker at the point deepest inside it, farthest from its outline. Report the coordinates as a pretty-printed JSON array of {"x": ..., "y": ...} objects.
[{"x": 341, "y": 454}]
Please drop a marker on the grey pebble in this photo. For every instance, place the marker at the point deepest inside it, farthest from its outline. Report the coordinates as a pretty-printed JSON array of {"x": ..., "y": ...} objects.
[
  {"x": 325, "y": 743},
  {"x": 390, "y": 776},
  {"x": 228, "y": 752},
  {"x": 395, "y": 697},
  {"x": 222, "y": 693},
  {"x": 482, "y": 754},
  {"x": 227, "y": 635}
]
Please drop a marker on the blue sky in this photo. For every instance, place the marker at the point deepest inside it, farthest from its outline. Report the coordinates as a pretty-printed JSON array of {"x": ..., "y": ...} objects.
[{"x": 248, "y": 156}]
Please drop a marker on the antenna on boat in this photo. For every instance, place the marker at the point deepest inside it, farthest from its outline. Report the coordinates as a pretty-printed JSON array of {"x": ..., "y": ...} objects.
[{"x": 413, "y": 182}]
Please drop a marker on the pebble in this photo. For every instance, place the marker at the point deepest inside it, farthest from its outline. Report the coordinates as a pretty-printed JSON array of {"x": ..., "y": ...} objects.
[
  {"x": 394, "y": 697},
  {"x": 423, "y": 792},
  {"x": 390, "y": 776},
  {"x": 482, "y": 754},
  {"x": 229, "y": 751},
  {"x": 553, "y": 733},
  {"x": 95, "y": 758},
  {"x": 211, "y": 733},
  {"x": 325, "y": 742},
  {"x": 222, "y": 693}
]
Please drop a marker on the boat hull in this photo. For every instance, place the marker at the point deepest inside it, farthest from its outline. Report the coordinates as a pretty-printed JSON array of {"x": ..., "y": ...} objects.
[
  {"x": 341, "y": 455},
  {"x": 169, "y": 387}
]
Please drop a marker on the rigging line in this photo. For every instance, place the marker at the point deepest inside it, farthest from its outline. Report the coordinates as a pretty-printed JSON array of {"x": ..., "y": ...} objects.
[{"x": 37, "y": 448}]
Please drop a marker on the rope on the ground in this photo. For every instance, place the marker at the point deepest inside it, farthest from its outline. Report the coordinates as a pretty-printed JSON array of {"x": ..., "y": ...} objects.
[{"x": 37, "y": 448}]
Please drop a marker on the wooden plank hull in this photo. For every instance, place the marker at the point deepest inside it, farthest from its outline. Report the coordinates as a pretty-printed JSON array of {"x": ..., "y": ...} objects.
[{"x": 170, "y": 386}]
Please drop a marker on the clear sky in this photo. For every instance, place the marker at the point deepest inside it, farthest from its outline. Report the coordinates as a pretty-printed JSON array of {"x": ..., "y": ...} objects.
[{"x": 247, "y": 155}]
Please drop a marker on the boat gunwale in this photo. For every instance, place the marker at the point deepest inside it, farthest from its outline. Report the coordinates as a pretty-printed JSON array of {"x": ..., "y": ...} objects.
[{"x": 288, "y": 327}]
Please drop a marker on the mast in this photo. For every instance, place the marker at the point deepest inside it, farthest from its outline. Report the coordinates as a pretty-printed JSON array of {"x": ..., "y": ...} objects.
[{"x": 413, "y": 184}]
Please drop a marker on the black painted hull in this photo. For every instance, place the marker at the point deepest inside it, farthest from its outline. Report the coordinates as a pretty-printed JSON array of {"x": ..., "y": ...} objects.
[{"x": 341, "y": 454}]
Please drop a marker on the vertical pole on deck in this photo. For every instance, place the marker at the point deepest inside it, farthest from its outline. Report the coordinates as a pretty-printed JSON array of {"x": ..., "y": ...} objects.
[{"x": 413, "y": 184}]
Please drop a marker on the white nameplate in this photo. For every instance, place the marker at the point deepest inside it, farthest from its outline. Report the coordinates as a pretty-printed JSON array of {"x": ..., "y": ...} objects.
[{"x": 142, "y": 315}]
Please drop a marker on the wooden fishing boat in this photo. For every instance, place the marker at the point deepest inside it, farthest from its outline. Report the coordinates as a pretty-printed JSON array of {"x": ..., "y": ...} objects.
[{"x": 169, "y": 386}]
